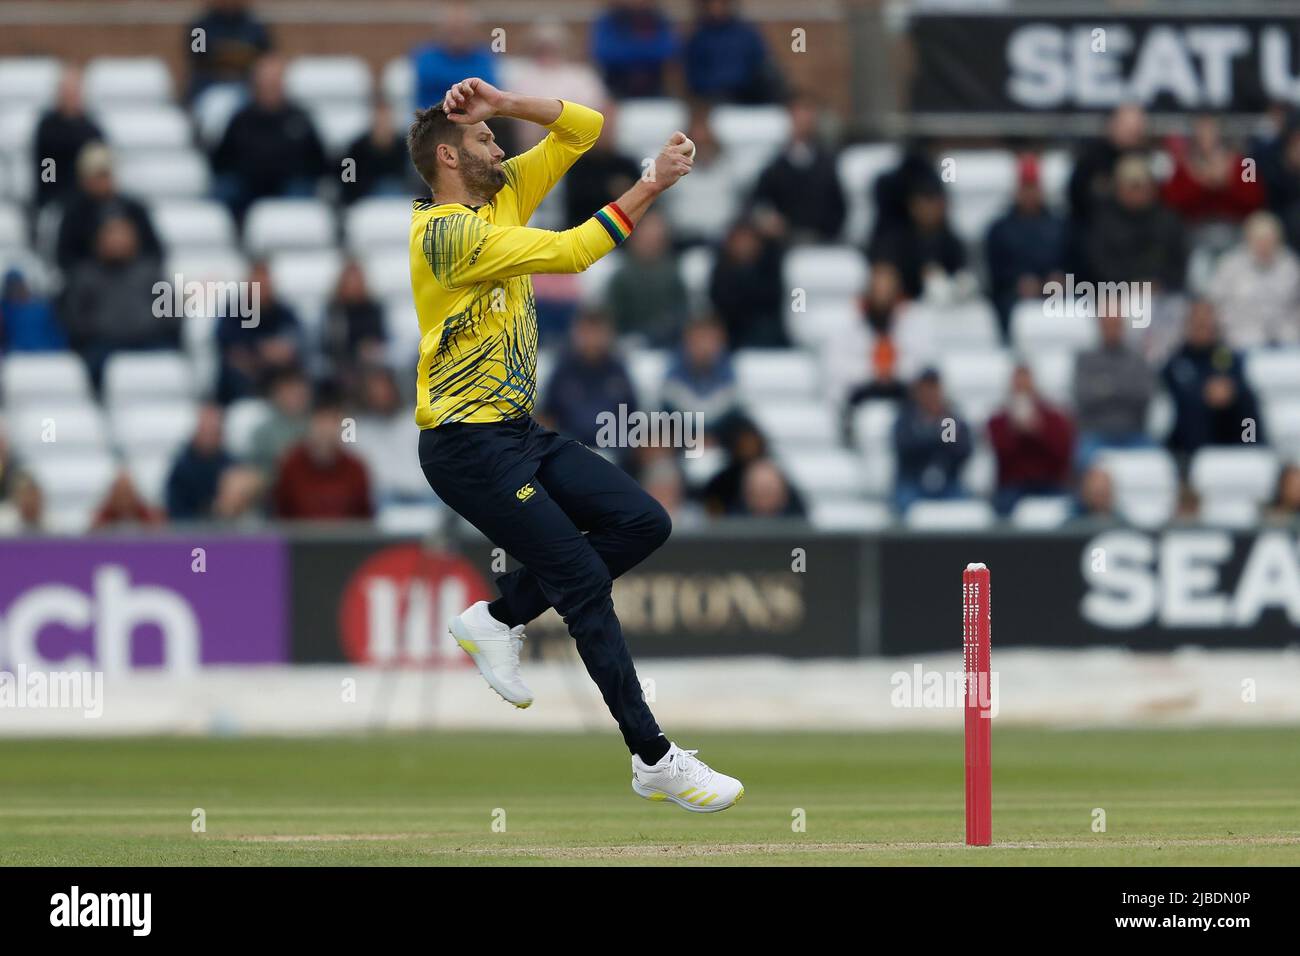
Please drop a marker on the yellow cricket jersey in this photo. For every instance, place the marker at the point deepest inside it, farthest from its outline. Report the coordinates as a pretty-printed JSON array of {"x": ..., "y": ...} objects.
[{"x": 471, "y": 275}]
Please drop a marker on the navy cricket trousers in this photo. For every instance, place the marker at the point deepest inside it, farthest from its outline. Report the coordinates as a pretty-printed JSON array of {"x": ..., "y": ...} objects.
[{"x": 572, "y": 520}]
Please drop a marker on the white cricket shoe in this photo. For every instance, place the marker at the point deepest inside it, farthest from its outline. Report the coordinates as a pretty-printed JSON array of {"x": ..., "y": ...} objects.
[
  {"x": 494, "y": 648},
  {"x": 687, "y": 781}
]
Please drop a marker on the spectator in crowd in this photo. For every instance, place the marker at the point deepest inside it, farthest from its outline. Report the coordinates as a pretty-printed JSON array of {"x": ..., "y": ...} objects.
[
  {"x": 1025, "y": 248},
  {"x": 94, "y": 203},
  {"x": 27, "y": 322},
  {"x": 646, "y": 295},
  {"x": 1112, "y": 388},
  {"x": 289, "y": 394},
  {"x": 382, "y": 165},
  {"x": 1092, "y": 181},
  {"x": 892, "y": 191},
  {"x": 633, "y": 43},
  {"x": 662, "y": 480},
  {"x": 1033, "y": 442},
  {"x": 62, "y": 133},
  {"x": 1256, "y": 287},
  {"x": 601, "y": 177},
  {"x": 931, "y": 444},
  {"x": 383, "y": 439},
  {"x": 318, "y": 479},
  {"x": 744, "y": 444},
  {"x": 589, "y": 378},
  {"x": 251, "y": 348},
  {"x": 702, "y": 205},
  {"x": 1207, "y": 184},
  {"x": 877, "y": 357},
  {"x": 353, "y": 333},
  {"x": 270, "y": 148},
  {"x": 1132, "y": 238},
  {"x": 23, "y": 511},
  {"x": 1213, "y": 402},
  {"x": 924, "y": 249},
  {"x": 108, "y": 306},
  {"x": 1280, "y": 171},
  {"x": 196, "y": 475},
  {"x": 458, "y": 52},
  {"x": 232, "y": 39},
  {"x": 548, "y": 70},
  {"x": 747, "y": 289},
  {"x": 124, "y": 506},
  {"x": 802, "y": 184},
  {"x": 702, "y": 378},
  {"x": 10, "y": 468},
  {"x": 765, "y": 493},
  {"x": 726, "y": 59},
  {"x": 1285, "y": 505},
  {"x": 1096, "y": 496}
]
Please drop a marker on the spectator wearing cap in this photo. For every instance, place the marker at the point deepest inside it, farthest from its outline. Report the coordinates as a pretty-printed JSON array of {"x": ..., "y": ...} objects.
[
  {"x": 726, "y": 59},
  {"x": 458, "y": 52},
  {"x": 62, "y": 133},
  {"x": 1213, "y": 402},
  {"x": 1033, "y": 442},
  {"x": 646, "y": 295},
  {"x": 271, "y": 147},
  {"x": 233, "y": 38},
  {"x": 94, "y": 203},
  {"x": 1113, "y": 386},
  {"x": 802, "y": 184},
  {"x": 318, "y": 479},
  {"x": 931, "y": 444},
  {"x": 634, "y": 45},
  {"x": 1025, "y": 248},
  {"x": 1256, "y": 287}
]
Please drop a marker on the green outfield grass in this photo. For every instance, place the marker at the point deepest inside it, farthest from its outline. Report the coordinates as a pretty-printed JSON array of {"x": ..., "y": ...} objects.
[{"x": 1211, "y": 796}]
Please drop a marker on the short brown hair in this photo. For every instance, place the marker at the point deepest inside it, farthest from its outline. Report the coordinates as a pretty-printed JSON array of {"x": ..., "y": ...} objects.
[{"x": 431, "y": 127}]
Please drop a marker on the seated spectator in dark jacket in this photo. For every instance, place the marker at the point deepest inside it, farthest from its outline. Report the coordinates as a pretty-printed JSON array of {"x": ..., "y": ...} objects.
[
  {"x": 318, "y": 479},
  {"x": 233, "y": 39},
  {"x": 381, "y": 163},
  {"x": 923, "y": 247},
  {"x": 931, "y": 444},
  {"x": 251, "y": 348},
  {"x": 1092, "y": 182},
  {"x": 1025, "y": 249},
  {"x": 459, "y": 51},
  {"x": 601, "y": 176},
  {"x": 1132, "y": 237},
  {"x": 1112, "y": 391},
  {"x": 353, "y": 334},
  {"x": 1207, "y": 182},
  {"x": 124, "y": 506},
  {"x": 1213, "y": 402},
  {"x": 1279, "y": 165},
  {"x": 702, "y": 377},
  {"x": 270, "y": 148},
  {"x": 646, "y": 295},
  {"x": 1095, "y": 499},
  {"x": 27, "y": 322},
  {"x": 589, "y": 379},
  {"x": 892, "y": 189},
  {"x": 744, "y": 444},
  {"x": 633, "y": 43},
  {"x": 747, "y": 289},
  {"x": 196, "y": 474},
  {"x": 802, "y": 184},
  {"x": 765, "y": 493},
  {"x": 726, "y": 59},
  {"x": 108, "y": 305},
  {"x": 61, "y": 134},
  {"x": 95, "y": 201},
  {"x": 1033, "y": 442}
]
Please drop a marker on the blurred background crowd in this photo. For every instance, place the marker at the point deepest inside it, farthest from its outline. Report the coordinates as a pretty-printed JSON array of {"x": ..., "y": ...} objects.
[{"x": 866, "y": 327}]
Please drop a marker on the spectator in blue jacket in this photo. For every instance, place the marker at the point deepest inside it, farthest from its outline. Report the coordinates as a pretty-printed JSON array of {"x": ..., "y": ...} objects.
[
  {"x": 1025, "y": 248},
  {"x": 27, "y": 322},
  {"x": 931, "y": 444},
  {"x": 233, "y": 39},
  {"x": 454, "y": 56},
  {"x": 589, "y": 379},
  {"x": 196, "y": 474},
  {"x": 1213, "y": 402},
  {"x": 633, "y": 43},
  {"x": 726, "y": 59}
]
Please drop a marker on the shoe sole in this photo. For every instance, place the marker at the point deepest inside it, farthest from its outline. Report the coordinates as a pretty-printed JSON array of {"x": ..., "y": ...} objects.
[
  {"x": 468, "y": 645},
  {"x": 658, "y": 796}
]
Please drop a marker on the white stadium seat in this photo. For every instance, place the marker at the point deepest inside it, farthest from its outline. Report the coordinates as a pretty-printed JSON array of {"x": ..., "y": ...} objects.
[
  {"x": 751, "y": 135},
  {"x": 403, "y": 326},
  {"x": 28, "y": 82},
  {"x": 595, "y": 280},
  {"x": 966, "y": 514},
  {"x": 826, "y": 474},
  {"x": 377, "y": 223},
  {"x": 13, "y": 229},
  {"x": 405, "y": 519},
  {"x": 832, "y": 272},
  {"x": 763, "y": 373},
  {"x": 982, "y": 185},
  {"x": 119, "y": 81},
  {"x": 327, "y": 79},
  {"x": 157, "y": 126},
  {"x": 1244, "y": 473},
  {"x": 48, "y": 429},
  {"x": 1042, "y": 512},
  {"x": 398, "y": 83},
  {"x": 275, "y": 225},
  {"x": 643, "y": 125},
  {"x": 1274, "y": 373},
  {"x": 1032, "y": 329},
  {"x": 795, "y": 423},
  {"x": 969, "y": 326},
  {"x": 647, "y": 368},
  {"x": 306, "y": 278},
  {"x": 339, "y": 125},
  {"x": 1145, "y": 484},
  {"x": 1053, "y": 373},
  {"x": 56, "y": 378},
  {"x": 242, "y": 419},
  {"x": 149, "y": 474},
  {"x": 175, "y": 173},
  {"x": 873, "y": 424},
  {"x": 976, "y": 382},
  {"x": 850, "y": 515},
  {"x": 980, "y": 473},
  {"x": 148, "y": 377},
  {"x": 73, "y": 486},
  {"x": 214, "y": 108},
  {"x": 695, "y": 266},
  {"x": 155, "y": 428},
  {"x": 1282, "y": 422},
  {"x": 184, "y": 224},
  {"x": 388, "y": 275},
  {"x": 207, "y": 265},
  {"x": 859, "y": 167}
]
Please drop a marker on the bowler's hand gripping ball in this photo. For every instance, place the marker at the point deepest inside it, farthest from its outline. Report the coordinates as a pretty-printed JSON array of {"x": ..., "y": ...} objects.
[{"x": 690, "y": 148}]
